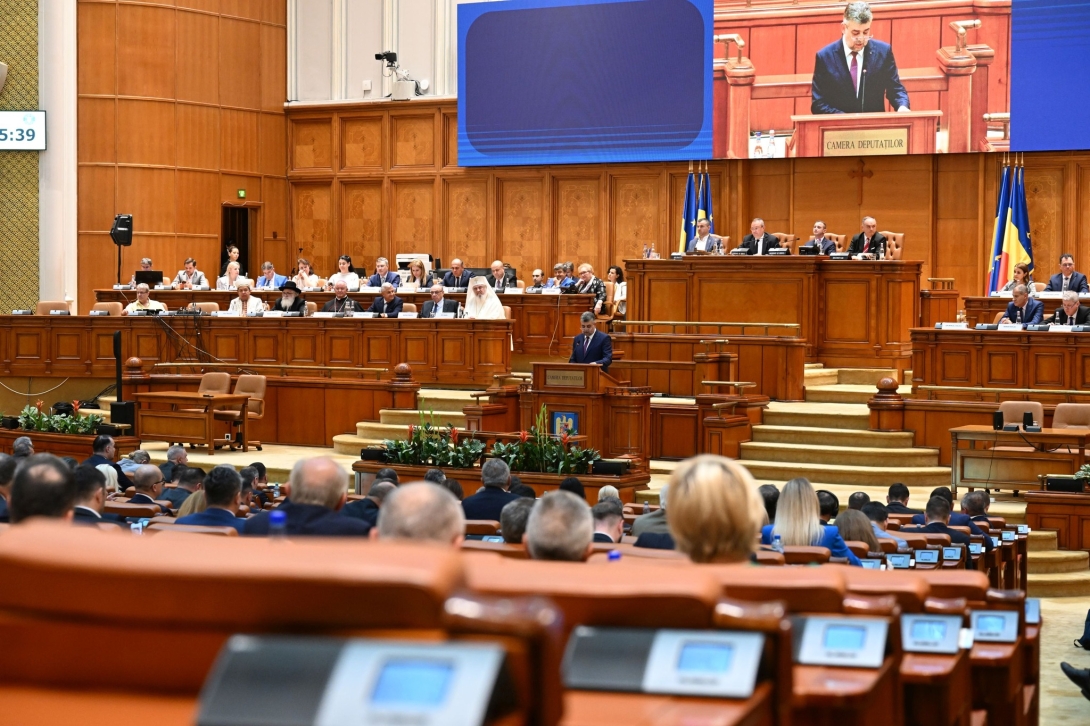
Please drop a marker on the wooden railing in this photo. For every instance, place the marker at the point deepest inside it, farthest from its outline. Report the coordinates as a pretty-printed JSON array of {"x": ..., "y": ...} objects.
[
  {"x": 741, "y": 328},
  {"x": 247, "y": 367}
]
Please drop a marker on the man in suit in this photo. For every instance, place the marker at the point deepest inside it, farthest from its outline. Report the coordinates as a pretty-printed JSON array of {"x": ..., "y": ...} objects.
[
  {"x": 824, "y": 245},
  {"x": 422, "y": 512},
  {"x": 655, "y": 541},
  {"x": 957, "y": 519},
  {"x": 44, "y": 486},
  {"x": 608, "y": 520},
  {"x": 855, "y": 74},
  {"x": 490, "y": 499},
  {"x": 368, "y": 508},
  {"x": 91, "y": 498},
  {"x": 148, "y": 481},
  {"x": 388, "y": 305},
  {"x": 341, "y": 303},
  {"x": 878, "y": 515},
  {"x": 7, "y": 473},
  {"x": 938, "y": 518},
  {"x": 438, "y": 304},
  {"x": 191, "y": 479},
  {"x": 223, "y": 493},
  {"x": 591, "y": 346},
  {"x": 897, "y": 500},
  {"x": 317, "y": 494},
  {"x": 269, "y": 280},
  {"x": 560, "y": 528},
  {"x": 653, "y": 521},
  {"x": 104, "y": 451},
  {"x": 974, "y": 505},
  {"x": 290, "y": 300},
  {"x": 705, "y": 241},
  {"x": 513, "y": 518},
  {"x": 176, "y": 457},
  {"x": 382, "y": 275},
  {"x": 190, "y": 278},
  {"x": 757, "y": 242},
  {"x": 458, "y": 276},
  {"x": 1023, "y": 309},
  {"x": 502, "y": 277},
  {"x": 828, "y": 505},
  {"x": 589, "y": 284},
  {"x": 1067, "y": 279},
  {"x": 869, "y": 241},
  {"x": 1070, "y": 312}
]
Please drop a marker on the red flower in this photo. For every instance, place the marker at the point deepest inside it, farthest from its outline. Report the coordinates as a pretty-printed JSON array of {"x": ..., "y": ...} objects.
[
  {"x": 524, "y": 436},
  {"x": 39, "y": 405},
  {"x": 454, "y": 435},
  {"x": 75, "y": 406},
  {"x": 411, "y": 430},
  {"x": 564, "y": 437}
]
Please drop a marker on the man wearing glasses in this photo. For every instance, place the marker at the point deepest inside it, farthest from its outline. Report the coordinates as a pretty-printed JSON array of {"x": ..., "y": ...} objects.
[
  {"x": 855, "y": 73},
  {"x": 437, "y": 305}
]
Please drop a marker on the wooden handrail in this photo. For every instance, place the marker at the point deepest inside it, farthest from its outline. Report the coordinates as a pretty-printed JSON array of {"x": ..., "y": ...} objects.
[
  {"x": 269, "y": 366},
  {"x": 734, "y": 384},
  {"x": 795, "y": 327},
  {"x": 997, "y": 391}
]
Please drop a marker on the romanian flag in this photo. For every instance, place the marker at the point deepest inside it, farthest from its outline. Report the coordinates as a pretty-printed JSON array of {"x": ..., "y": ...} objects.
[
  {"x": 688, "y": 214},
  {"x": 1010, "y": 237},
  {"x": 704, "y": 203}
]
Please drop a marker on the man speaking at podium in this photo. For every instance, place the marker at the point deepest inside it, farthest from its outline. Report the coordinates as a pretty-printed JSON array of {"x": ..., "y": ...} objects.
[{"x": 855, "y": 74}]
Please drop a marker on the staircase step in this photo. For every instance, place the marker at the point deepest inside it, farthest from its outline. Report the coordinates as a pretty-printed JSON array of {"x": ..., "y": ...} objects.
[
  {"x": 808, "y": 435},
  {"x": 402, "y": 417},
  {"x": 839, "y": 455},
  {"x": 856, "y": 476},
  {"x": 818, "y": 415},
  {"x": 821, "y": 377},
  {"x": 813, "y": 366},
  {"x": 845, "y": 393},
  {"x": 1059, "y": 561},
  {"x": 436, "y": 399},
  {"x": 1042, "y": 540},
  {"x": 865, "y": 376},
  {"x": 350, "y": 444},
  {"x": 1059, "y": 584},
  {"x": 376, "y": 432}
]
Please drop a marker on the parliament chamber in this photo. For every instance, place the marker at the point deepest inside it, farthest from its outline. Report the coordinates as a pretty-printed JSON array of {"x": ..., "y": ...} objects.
[{"x": 580, "y": 472}]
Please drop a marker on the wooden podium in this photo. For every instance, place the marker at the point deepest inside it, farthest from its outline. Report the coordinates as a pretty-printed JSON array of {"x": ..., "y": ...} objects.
[
  {"x": 614, "y": 416},
  {"x": 864, "y": 134}
]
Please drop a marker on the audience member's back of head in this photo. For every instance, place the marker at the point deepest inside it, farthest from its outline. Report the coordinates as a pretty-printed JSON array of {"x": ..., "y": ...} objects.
[
  {"x": 495, "y": 473},
  {"x": 193, "y": 504},
  {"x": 88, "y": 480},
  {"x": 513, "y": 519},
  {"x": 248, "y": 475},
  {"x": 8, "y": 464},
  {"x": 318, "y": 481},
  {"x": 380, "y": 490},
  {"x": 560, "y": 528},
  {"x": 44, "y": 486},
  {"x": 387, "y": 474},
  {"x": 100, "y": 444},
  {"x": 945, "y": 493},
  {"x": 715, "y": 511},
  {"x": 797, "y": 515},
  {"x": 573, "y": 485},
  {"x": 975, "y": 503},
  {"x": 857, "y": 500},
  {"x": 607, "y": 492},
  {"x": 938, "y": 509},
  {"x": 222, "y": 486},
  {"x": 454, "y": 487},
  {"x": 828, "y": 504},
  {"x": 192, "y": 476},
  {"x": 262, "y": 472},
  {"x": 608, "y": 516},
  {"x": 71, "y": 461},
  {"x": 525, "y": 491},
  {"x": 435, "y": 476},
  {"x": 770, "y": 495},
  {"x": 22, "y": 447},
  {"x": 898, "y": 492},
  {"x": 422, "y": 512},
  {"x": 854, "y": 525},
  {"x": 875, "y": 511}
]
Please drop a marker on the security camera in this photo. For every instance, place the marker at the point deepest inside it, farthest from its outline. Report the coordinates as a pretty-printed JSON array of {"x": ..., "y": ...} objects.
[{"x": 389, "y": 56}]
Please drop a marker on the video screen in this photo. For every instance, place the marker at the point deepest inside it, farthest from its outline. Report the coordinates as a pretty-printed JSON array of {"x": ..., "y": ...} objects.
[
  {"x": 413, "y": 683},
  {"x": 844, "y": 637},
  {"x": 928, "y": 631},
  {"x": 705, "y": 657},
  {"x": 990, "y": 624}
]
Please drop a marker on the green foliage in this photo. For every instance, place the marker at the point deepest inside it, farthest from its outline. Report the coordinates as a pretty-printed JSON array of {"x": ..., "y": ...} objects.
[
  {"x": 1083, "y": 472},
  {"x": 537, "y": 450},
  {"x": 35, "y": 418},
  {"x": 429, "y": 445}
]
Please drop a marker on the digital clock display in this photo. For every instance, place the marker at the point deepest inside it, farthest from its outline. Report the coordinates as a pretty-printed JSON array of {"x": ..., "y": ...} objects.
[{"x": 22, "y": 130}]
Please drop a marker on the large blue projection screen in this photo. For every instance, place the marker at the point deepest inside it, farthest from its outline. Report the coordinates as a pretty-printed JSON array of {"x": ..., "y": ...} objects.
[{"x": 576, "y": 81}]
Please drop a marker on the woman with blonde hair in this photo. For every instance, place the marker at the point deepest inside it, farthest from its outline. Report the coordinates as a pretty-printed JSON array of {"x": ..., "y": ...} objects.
[
  {"x": 193, "y": 504},
  {"x": 854, "y": 526},
  {"x": 798, "y": 522},
  {"x": 419, "y": 276},
  {"x": 715, "y": 513}
]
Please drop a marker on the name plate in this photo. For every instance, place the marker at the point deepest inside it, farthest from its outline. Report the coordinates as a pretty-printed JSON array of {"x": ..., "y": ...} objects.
[
  {"x": 408, "y": 315},
  {"x": 927, "y": 557},
  {"x": 512, "y": 291},
  {"x": 550, "y": 291},
  {"x": 1010, "y": 326},
  {"x": 930, "y": 633},
  {"x": 1059, "y": 328},
  {"x": 565, "y": 378},
  {"x": 953, "y": 326},
  {"x": 870, "y": 142},
  {"x": 122, "y": 287},
  {"x": 323, "y": 315},
  {"x": 370, "y": 289},
  {"x": 274, "y": 314},
  {"x": 363, "y": 315},
  {"x": 994, "y": 626},
  {"x": 843, "y": 641}
]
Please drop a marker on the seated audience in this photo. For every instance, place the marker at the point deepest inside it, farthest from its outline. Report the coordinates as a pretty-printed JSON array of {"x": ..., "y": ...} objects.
[
  {"x": 559, "y": 279},
  {"x": 438, "y": 304},
  {"x": 269, "y": 280},
  {"x": 715, "y": 510},
  {"x": 148, "y": 482},
  {"x": 304, "y": 278},
  {"x": 90, "y": 498},
  {"x": 454, "y": 487},
  {"x": 481, "y": 302},
  {"x": 290, "y": 300},
  {"x": 435, "y": 476},
  {"x": 44, "y": 486},
  {"x": 176, "y": 457},
  {"x": 246, "y": 303},
  {"x": 799, "y": 525},
  {"x": 129, "y": 463},
  {"x": 573, "y": 485},
  {"x": 1070, "y": 311},
  {"x": 522, "y": 490},
  {"x": 589, "y": 284},
  {"x": 592, "y": 346},
  {"x": 143, "y": 301},
  {"x": 491, "y": 498},
  {"x": 383, "y": 275},
  {"x": 317, "y": 488},
  {"x": 190, "y": 277},
  {"x": 458, "y": 276},
  {"x": 419, "y": 276},
  {"x": 1021, "y": 276},
  {"x": 502, "y": 277},
  {"x": 104, "y": 451},
  {"x": 1023, "y": 309},
  {"x": 855, "y": 526},
  {"x": 704, "y": 240},
  {"x": 608, "y": 492},
  {"x": 232, "y": 278},
  {"x": 897, "y": 500},
  {"x": 191, "y": 479},
  {"x": 828, "y": 505},
  {"x": 387, "y": 473},
  {"x": 975, "y": 505},
  {"x": 560, "y": 527},
  {"x": 196, "y": 503},
  {"x": 368, "y": 508},
  {"x": 608, "y": 520},
  {"x": 654, "y": 521},
  {"x": 937, "y": 513},
  {"x": 22, "y": 447},
  {"x": 145, "y": 266},
  {"x": 341, "y": 303},
  {"x": 345, "y": 272},
  {"x": 770, "y": 494},
  {"x": 620, "y": 290},
  {"x": 857, "y": 500},
  {"x": 878, "y": 515},
  {"x": 388, "y": 305},
  {"x": 421, "y": 512},
  {"x": 1067, "y": 279},
  {"x": 7, "y": 473},
  {"x": 537, "y": 282},
  {"x": 958, "y": 519},
  {"x": 513, "y": 518},
  {"x": 222, "y": 497},
  {"x": 73, "y": 463},
  {"x": 106, "y": 469}
]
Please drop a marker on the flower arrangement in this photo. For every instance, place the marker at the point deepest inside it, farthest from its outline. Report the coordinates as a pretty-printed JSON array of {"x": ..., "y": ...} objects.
[
  {"x": 37, "y": 418},
  {"x": 429, "y": 445}
]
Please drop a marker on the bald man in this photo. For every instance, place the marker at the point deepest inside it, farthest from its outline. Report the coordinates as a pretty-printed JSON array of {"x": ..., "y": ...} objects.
[
  {"x": 317, "y": 490},
  {"x": 423, "y": 512}
]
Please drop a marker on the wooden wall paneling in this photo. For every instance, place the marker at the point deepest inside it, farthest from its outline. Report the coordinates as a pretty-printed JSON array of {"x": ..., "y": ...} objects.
[
  {"x": 312, "y": 144},
  {"x": 465, "y": 221},
  {"x": 899, "y": 196},
  {"x": 362, "y": 225},
  {"x": 240, "y": 64},
  {"x": 198, "y": 205},
  {"x": 960, "y": 237},
  {"x": 578, "y": 219},
  {"x": 147, "y": 194},
  {"x": 412, "y": 215},
  {"x": 96, "y": 204},
  {"x": 97, "y": 130},
  {"x": 635, "y": 216},
  {"x": 311, "y": 220},
  {"x": 96, "y": 48},
  {"x": 272, "y": 144},
  {"x": 198, "y": 136},
  {"x": 449, "y": 132},
  {"x": 145, "y": 132},
  {"x": 824, "y": 189},
  {"x": 239, "y": 140},
  {"x": 521, "y": 239},
  {"x": 1045, "y": 199},
  {"x": 772, "y": 51},
  {"x": 274, "y": 61},
  {"x": 231, "y": 183},
  {"x": 198, "y": 56},
  {"x": 414, "y": 140},
  {"x": 362, "y": 142},
  {"x": 770, "y": 196},
  {"x": 146, "y": 56}
]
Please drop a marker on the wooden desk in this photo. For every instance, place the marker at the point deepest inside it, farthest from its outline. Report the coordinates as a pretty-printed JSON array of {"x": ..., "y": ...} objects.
[
  {"x": 541, "y": 324},
  {"x": 851, "y": 313},
  {"x": 179, "y": 424},
  {"x": 912, "y": 132},
  {"x": 1068, "y": 514},
  {"x": 1016, "y": 457},
  {"x": 982, "y": 308}
]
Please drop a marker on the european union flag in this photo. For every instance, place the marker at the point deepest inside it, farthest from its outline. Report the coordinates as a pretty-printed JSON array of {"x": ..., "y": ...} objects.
[
  {"x": 997, "y": 271},
  {"x": 704, "y": 205},
  {"x": 688, "y": 214}
]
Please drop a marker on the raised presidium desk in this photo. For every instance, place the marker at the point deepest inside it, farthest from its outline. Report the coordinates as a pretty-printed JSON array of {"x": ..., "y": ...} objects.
[
  {"x": 984, "y": 308},
  {"x": 988, "y": 459},
  {"x": 190, "y": 417},
  {"x": 542, "y": 324},
  {"x": 851, "y": 313}
]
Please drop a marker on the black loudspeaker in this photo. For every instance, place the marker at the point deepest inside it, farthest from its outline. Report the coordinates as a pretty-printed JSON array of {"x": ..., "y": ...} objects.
[
  {"x": 997, "y": 420},
  {"x": 124, "y": 412},
  {"x": 373, "y": 454},
  {"x": 121, "y": 232},
  {"x": 9, "y": 422},
  {"x": 106, "y": 429},
  {"x": 1027, "y": 419},
  {"x": 1067, "y": 484},
  {"x": 611, "y": 467}
]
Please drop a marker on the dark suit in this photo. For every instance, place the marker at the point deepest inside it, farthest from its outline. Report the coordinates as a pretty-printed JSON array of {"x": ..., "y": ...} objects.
[
  {"x": 1076, "y": 283},
  {"x": 1031, "y": 314},
  {"x": 600, "y": 350},
  {"x": 449, "y": 280},
  {"x": 651, "y": 522},
  {"x": 391, "y": 277},
  {"x": 957, "y": 519},
  {"x": 955, "y": 538},
  {"x": 298, "y": 305},
  {"x": 5, "y": 515},
  {"x": 603, "y": 538},
  {"x": 877, "y": 242},
  {"x": 655, "y": 541},
  {"x": 507, "y": 281},
  {"x": 749, "y": 244},
  {"x": 175, "y": 495},
  {"x": 487, "y": 503},
  {"x": 123, "y": 481},
  {"x": 347, "y": 305},
  {"x": 1081, "y": 317},
  {"x": 828, "y": 246},
  {"x": 213, "y": 517},
  {"x": 713, "y": 243},
  {"x": 141, "y": 498},
  {"x": 898, "y": 508},
  {"x": 391, "y": 309},
  {"x": 309, "y": 520},
  {"x": 85, "y": 516},
  {"x": 448, "y": 306},
  {"x": 833, "y": 91},
  {"x": 365, "y": 509}
]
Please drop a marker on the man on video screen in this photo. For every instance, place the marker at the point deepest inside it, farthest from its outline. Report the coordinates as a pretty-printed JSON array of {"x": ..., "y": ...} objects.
[{"x": 855, "y": 73}]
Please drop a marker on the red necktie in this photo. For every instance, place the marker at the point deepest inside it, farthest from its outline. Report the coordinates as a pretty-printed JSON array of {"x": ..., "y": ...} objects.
[
  {"x": 866, "y": 245},
  {"x": 855, "y": 74}
]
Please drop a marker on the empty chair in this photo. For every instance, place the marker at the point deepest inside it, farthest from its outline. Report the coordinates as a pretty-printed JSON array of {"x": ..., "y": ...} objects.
[
  {"x": 312, "y": 308},
  {"x": 408, "y": 308},
  {"x": 113, "y": 308},
  {"x": 895, "y": 243},
  {"x": 1071, "y": 416},
  {"x": 254, "y": 386},
  {"x": 482, "y": 526},
  {"x": 212, "y": 382},
  {"x": 506, "y": 312},
  {"x": 1013, "y": 411},
  {"x": 192, "y": 529},
  {"x": 787, "y": 241},
  {"x": 43, "y": 307},
  {"x": 801, "y": 555}
]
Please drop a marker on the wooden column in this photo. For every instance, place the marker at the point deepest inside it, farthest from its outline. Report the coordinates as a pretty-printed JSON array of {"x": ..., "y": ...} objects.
[
  {"x": 887, "y": 408},
  {"x": 740, "y": 75},
  {"x": 978, "y": 127},
  {"x": 940, "y": 303},
  {"x": 958, "y": 65}
]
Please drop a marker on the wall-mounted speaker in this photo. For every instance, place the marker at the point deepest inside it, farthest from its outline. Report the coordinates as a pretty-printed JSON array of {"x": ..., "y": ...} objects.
[{"x": 121, "y": 231}]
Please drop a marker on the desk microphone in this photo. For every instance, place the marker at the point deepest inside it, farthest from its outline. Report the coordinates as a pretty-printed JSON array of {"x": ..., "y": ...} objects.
[{"x": 863, "y": 93}]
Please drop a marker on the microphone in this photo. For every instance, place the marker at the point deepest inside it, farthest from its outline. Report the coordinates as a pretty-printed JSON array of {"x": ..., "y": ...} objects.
[{"x": 863, "y": 92}]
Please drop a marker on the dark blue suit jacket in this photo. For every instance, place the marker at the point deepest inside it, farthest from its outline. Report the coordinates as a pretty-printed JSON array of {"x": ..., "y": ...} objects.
[
  {"x": 391, "y": 277},
  {"x": 599, "y": 351},
  {"x": 831, "y": 539},
  {"x": 487, "y": 503},
  {"x": 123, "y": 481},
  {"x": 364, "y": 509},
  {"x": 833, "y": 91},
  {"x": 140, "y": 498},
  {"x": 5, "y": 515},
  {"x": 392, "y": 308},
  {"x": 957, "y": 519},
  {"x": 655, "y": 541},
  {"x": 449, "y": 280},
  {"x": 213, "y": 517},
  {"x": 309, "y": 520},
  {"x": 1032, "y": 314},
  {"x": 1077, "y": 283}
]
